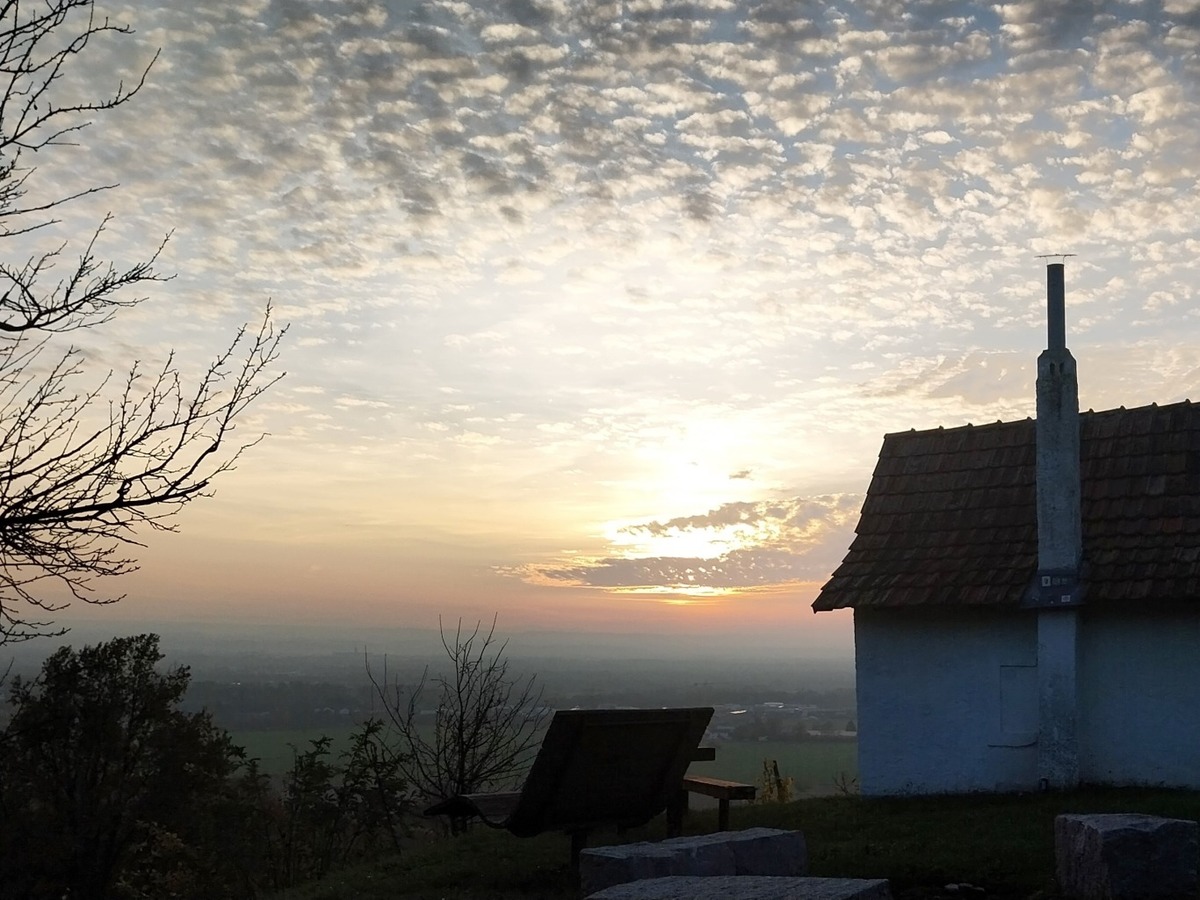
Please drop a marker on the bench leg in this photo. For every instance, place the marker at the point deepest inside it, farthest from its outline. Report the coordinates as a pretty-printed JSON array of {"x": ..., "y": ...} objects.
[{"x": 722, "y": 815}]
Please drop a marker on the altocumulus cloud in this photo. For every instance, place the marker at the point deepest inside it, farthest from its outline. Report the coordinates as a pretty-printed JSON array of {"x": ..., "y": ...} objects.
[
  {"x": 818, "y": 161},
  {"x": 771, "y": 542},
  {"x": 540, "y": 254}
]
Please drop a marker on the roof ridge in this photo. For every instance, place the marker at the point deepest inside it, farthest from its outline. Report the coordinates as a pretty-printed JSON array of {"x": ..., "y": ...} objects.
[{"x": 1185, "y": 403}]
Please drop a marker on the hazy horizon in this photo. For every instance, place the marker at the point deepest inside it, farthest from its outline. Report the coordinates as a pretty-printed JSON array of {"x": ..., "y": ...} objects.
[
  {"x": 179, "y": 638},
  {"x": 587, "y": 669}
]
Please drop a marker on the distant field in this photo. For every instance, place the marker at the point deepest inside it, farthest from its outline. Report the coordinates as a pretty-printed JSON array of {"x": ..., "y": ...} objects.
[
  {"x": 272, "y": 747},
  {"x": 813, "y": 764}
]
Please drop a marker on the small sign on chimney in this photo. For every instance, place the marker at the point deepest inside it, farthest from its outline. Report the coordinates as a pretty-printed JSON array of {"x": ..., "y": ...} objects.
[{"x": 1054, "y": 588}]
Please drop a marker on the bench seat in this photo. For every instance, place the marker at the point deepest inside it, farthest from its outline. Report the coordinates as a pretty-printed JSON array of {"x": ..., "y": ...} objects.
[{"x": 722, "y": 790}]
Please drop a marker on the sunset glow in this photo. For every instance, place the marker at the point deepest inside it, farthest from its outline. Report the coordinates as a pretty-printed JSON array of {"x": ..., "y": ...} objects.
[{"x": 646, "y": 281}]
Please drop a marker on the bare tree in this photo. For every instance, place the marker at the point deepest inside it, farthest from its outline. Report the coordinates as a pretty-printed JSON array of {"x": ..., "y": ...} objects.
[
  {"x": 83, "y": 466},
  {"x": 487, "y": 723}
]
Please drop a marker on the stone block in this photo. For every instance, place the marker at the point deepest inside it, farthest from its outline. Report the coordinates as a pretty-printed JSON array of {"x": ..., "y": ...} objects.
[
  {"x": 748, "y": 887},
  {"x": 754, "y": 851},
  {"x": 600, "y": 867},
  {"x": 768, "y": 851},
  {"x": 1125, "y": 856}
]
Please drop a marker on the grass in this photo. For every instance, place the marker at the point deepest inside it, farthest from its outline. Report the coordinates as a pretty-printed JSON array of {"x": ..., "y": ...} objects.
[{"x": 1001, "y": 843}]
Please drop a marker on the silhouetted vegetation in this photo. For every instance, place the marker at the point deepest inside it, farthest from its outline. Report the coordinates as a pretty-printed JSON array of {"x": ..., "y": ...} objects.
[
  {"x": 108, "y": 789},
  {"x": 332, "y": 811},
  {"x": 486, "y": 725}
]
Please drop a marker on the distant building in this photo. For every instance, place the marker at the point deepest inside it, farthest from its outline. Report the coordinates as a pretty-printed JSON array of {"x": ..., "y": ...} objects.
[{"x": 1026, "y": 598}]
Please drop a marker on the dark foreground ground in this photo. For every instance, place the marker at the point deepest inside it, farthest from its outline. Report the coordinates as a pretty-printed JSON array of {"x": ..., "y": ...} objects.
[{"x": 986, "y": 846}]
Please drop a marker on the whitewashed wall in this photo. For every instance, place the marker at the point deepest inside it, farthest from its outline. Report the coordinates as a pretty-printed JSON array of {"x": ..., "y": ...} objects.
[
  {"x": 1140, "y": 698},
  {"x": 947, "y": 701}
]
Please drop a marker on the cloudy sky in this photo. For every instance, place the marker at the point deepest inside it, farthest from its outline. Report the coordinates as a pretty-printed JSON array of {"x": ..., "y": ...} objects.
[{"x": 599, "y": 310}]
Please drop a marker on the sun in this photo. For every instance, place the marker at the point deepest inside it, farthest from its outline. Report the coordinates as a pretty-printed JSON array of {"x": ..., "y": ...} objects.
[
  {"x": 629, "y": 540},
  {"x": 687, "y": 538}
]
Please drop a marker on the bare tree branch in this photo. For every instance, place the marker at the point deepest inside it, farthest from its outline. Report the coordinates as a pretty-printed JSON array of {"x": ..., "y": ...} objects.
[
  {"x": 88, "y": 296},
  {"x": 487, "y": 724},
  {"x": 74, "y": 496},
  {"x": 38, "y": 41},
  {"x": 84, "y": 470}
]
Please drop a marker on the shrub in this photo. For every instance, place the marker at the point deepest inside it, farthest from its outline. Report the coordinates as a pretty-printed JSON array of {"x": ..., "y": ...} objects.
[
  {"x": 773, "y": 787},
  {"x": 331, "y": 814},
  {"x": 107, "y": 789}
]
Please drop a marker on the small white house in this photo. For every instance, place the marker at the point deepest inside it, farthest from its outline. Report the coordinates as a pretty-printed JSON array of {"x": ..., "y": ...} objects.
[{"x": 1026, "y": 598}]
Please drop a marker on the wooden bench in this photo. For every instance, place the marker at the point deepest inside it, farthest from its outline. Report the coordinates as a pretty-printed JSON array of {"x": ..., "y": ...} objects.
[
  {"x": 595, "y": 767},
  {"x": 722, "y": 790}
]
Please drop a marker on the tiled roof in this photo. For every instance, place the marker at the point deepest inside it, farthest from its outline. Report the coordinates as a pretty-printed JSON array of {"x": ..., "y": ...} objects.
[{"x": 950, "y": 517}]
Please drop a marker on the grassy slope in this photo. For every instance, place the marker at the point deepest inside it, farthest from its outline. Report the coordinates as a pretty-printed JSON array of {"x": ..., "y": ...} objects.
[{"x": 1004, "y": 844}]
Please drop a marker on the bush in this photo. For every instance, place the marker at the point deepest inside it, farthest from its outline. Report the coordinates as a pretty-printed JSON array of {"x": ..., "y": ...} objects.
[
  {"x": 107, "y": 789},
  {"x": 330, "y": 815}
]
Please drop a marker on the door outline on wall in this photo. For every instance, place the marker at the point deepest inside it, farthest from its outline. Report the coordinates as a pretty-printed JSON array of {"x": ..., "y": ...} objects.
[{"x": 1016, "y": 707}]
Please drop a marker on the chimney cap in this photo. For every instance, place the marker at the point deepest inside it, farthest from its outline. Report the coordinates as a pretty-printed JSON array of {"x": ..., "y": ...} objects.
[{"x": 1056, "y": 315}]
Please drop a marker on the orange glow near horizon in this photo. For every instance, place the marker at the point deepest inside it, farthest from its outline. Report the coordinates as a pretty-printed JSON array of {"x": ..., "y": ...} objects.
[{"x": 188, "y": 588}]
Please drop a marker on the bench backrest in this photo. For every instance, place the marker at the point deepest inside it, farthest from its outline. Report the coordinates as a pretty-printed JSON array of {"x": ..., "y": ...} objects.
[{"x": 607, "y": 767}]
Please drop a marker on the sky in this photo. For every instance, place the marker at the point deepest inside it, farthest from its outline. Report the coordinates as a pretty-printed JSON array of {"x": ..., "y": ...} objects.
[{"x": 598, "y": 311}]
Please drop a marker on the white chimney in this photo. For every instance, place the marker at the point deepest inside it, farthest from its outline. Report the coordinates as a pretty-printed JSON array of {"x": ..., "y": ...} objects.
[{"x": 1057, "y": 591}]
